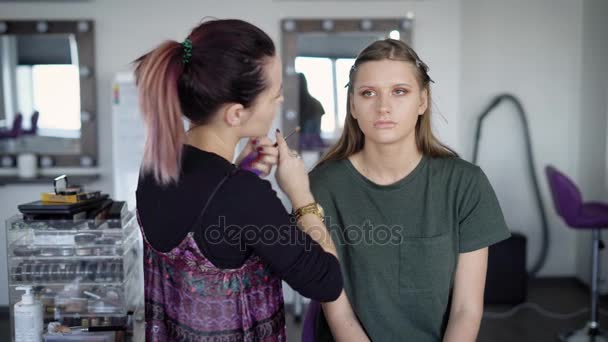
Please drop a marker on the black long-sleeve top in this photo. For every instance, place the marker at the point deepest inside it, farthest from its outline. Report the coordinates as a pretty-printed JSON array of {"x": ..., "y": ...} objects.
[{"x": 245, "y": 216}]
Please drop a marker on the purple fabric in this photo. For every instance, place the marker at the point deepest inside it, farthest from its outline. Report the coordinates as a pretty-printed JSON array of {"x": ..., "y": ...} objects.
[
  {"x": 34, "y": 124},
  {"x": 247, "y": 163},
  {"x": 15, "y": 131},
  {"x": 594, "y": 215},
  {"x": 189, "y": 299},
  {"x": 570, "y": 206},
  {"x": 308, "y": 328}
]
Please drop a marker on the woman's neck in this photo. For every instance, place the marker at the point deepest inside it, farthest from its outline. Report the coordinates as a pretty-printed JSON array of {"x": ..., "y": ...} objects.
[
  {"x": 386, "y": 164},
  {"x": 212, "y": 139}
]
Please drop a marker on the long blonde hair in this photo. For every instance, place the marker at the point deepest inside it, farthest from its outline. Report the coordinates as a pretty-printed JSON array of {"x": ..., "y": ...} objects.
[{"x": 353, "y": 139}]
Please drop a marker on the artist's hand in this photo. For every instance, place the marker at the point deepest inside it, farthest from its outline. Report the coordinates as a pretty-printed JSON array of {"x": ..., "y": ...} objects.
[
  {"x": 259, "y": 156},
  {"x": 291, "y": 174}
]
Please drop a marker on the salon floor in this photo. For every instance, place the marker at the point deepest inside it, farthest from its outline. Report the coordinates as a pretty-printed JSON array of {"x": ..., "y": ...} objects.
[{"x": 557, "y": 295}]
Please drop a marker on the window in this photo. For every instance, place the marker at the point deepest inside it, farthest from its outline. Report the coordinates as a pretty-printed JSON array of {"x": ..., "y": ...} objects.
[
  {"x": 53, "y": 91},
  {"x": 326, "y": 79}
]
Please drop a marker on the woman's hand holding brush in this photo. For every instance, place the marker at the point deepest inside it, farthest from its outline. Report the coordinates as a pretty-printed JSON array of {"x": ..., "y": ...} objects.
[{"x": 260, "y": 155}]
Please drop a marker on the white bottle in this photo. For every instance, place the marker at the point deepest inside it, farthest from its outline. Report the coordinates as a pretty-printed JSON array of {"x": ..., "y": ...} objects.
[{"x": 28, "y": 317}]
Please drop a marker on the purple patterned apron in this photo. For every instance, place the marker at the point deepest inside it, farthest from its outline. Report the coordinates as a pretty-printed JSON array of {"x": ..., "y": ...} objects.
[{"x": 187, "y": 298}]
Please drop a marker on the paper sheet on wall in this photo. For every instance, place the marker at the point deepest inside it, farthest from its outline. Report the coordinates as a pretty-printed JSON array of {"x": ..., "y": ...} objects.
[{"x": 128, "y": 137}]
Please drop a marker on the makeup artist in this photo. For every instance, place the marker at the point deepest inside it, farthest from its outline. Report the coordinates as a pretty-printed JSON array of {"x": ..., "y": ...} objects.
[{"x": 217, "y": 240}]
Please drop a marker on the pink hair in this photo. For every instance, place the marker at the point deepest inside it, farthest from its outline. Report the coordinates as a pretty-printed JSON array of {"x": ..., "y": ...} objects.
[{"x": 157, "y": 76}]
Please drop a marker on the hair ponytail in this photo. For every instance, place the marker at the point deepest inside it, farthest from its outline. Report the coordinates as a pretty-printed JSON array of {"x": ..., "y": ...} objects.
[
  {"x": 221, "y": 61},
  {"x": 157, "y": 74}
]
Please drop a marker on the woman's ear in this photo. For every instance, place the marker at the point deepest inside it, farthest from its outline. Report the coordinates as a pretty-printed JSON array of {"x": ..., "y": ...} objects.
[
  {"x": 235, "y": 114},
  {"x": 424, "y": 101}
]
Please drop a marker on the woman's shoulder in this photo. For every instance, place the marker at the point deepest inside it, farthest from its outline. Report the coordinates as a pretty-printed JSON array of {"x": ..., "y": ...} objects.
[
  {"x": 458, "y": 174},
  {"x": 327, "y": 172},
  {"x": 246, "y": 183},
  {"x": 453, "y": 166},
  {"x": 330, "y": 177}
]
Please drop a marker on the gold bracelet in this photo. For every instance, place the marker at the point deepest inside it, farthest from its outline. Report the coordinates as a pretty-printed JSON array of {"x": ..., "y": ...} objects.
[{"x": 312, "y": 208}]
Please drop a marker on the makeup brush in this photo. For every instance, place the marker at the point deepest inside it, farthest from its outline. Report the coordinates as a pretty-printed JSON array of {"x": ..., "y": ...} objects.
[
  {"x": 296, "y": 130},
  {"x": 247, "y": 162}
]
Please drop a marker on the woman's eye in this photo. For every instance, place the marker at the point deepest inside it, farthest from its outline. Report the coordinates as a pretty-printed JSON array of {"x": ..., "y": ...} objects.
[
  {"x": 400, "y": 91},
  {"x": 367, "y": 93}
]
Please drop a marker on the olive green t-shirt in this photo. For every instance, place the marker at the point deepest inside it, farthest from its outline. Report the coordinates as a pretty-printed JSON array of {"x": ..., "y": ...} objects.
[{"x": 398, "y": 244}]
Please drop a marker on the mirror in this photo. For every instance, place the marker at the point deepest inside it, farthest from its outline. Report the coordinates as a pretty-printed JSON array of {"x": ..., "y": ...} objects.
[
  {"x": 318, "y": 55},
  {"x": 47, "y": 93}
]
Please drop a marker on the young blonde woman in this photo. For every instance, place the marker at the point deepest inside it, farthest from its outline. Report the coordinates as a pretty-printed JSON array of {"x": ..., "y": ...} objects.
[{"x": 412, "y": 222}]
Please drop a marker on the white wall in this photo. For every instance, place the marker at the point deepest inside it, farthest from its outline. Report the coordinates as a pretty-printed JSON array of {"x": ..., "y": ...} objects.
[
  {"x": 532, "y": 49},
  {"x": 127, "y": 29},
  {"x": 592, "y": 177},
  {"x": 592, "y": 163}
]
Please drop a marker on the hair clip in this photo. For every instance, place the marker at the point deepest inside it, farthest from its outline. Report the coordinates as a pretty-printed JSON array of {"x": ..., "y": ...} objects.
[{"x": 187, "y": 45}]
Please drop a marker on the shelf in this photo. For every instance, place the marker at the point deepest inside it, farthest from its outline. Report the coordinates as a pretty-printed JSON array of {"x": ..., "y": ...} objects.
[
  {"x": 116, "y": 314},
  {"x": 71, "y": 258},
  {"x": 81, "y": 180},
  {"x": 65, "y": 282}
]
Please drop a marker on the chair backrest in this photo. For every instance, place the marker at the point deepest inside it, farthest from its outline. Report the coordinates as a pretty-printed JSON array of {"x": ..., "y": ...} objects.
[
  {"x": 566, "y": 196},
  {"x": 34, "y": 123},
  {"x": 308, "y": 328},
  {"x": 17, "y": 123},
  {"x": 15, "y": 131}
]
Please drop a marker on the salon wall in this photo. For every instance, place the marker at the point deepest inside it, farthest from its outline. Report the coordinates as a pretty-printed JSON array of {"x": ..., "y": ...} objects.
[
  {"x": 532, "y": 49},
  {"x": 593, "y": 148},
  {"x": 126, "y": 29}
]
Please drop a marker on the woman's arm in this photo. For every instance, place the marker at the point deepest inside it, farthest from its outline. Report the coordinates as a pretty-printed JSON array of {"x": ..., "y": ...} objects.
[
  {"x": 467, "y": 298},
  {"x": 312, "y": 225},
  {"x": 339, "y": 313},
  {"x": 342, "y": 320},
  {"x": 340, "y": 316}
]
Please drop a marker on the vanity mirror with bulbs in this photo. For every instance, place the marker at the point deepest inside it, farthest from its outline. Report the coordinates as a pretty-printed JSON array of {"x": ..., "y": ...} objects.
[
  {"x": 48, "y": 100},
  {"x": 317, "y": 57}
]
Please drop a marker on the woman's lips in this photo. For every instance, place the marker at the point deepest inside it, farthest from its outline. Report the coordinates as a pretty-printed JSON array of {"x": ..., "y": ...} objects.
[{"x": 384, "y": 124}]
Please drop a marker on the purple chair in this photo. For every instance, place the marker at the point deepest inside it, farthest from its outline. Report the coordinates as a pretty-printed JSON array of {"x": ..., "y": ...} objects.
[
  {"x": 34, "y": 124},
  {"x": 581, "y": 215},
  {"x": 15, "y": 131},
  {"x": 309, "y": 331}
]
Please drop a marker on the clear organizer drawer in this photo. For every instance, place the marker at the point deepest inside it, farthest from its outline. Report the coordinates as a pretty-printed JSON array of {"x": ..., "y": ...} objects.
[
  {"x": 78, "y": 300},
  {"x": 85, "y": 273},
  {"x": 58, "y": 272}
]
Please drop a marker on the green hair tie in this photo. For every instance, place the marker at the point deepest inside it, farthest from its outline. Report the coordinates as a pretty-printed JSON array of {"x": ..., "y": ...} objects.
[{"x": 187, "y": 45}]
